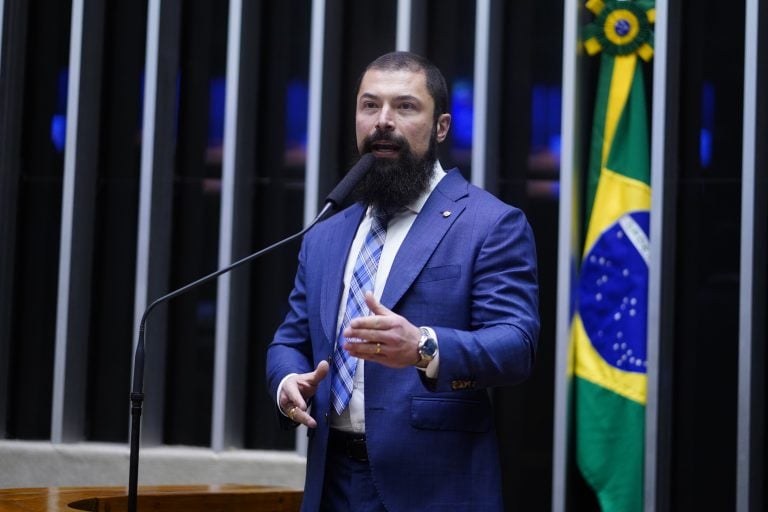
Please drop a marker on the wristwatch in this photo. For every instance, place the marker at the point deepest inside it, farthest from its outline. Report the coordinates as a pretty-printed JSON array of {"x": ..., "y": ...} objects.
[{"x": 427, "y": 346}]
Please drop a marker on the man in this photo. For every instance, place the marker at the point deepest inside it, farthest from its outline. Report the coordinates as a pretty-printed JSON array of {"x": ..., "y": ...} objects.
[{"x": 408, "y": 306}]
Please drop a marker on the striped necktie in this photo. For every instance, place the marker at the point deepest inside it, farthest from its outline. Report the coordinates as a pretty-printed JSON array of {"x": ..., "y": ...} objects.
[{"x": 363, "y": 278}]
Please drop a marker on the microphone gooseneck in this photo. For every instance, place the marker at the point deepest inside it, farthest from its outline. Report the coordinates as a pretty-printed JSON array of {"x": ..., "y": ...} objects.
[{"x": 337, "y": 196}]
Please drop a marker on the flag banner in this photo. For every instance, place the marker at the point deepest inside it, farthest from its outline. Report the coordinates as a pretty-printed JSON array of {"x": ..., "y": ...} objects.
[{"x": 608, "y": 349}]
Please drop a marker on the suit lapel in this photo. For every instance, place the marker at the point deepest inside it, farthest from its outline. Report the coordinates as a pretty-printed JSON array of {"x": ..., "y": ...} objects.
[
  {"x": 334, "y": 261},
  {"x": 435, "y": 219}
]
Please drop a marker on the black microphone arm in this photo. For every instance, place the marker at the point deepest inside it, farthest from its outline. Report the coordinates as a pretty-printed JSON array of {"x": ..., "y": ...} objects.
[{"x": 337, "y": 196}]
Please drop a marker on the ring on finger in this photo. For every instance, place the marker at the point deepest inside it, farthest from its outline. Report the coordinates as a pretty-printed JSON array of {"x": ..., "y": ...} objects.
[
  {"x": 378, "y": 348},
  {"x": 291, "y": 412}
]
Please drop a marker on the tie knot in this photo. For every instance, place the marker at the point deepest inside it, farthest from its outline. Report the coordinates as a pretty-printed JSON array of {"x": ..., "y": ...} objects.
[{"x": 381, "y": 217}]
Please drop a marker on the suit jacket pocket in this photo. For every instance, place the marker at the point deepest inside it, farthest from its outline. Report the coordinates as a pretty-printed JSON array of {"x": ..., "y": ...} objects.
[
  {"x": 450, "y": 414},
  {"x": 439, "y": 273}
]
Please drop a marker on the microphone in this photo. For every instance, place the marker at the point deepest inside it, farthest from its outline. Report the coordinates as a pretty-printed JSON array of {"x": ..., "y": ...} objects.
[{"x": 337, "y": 196}]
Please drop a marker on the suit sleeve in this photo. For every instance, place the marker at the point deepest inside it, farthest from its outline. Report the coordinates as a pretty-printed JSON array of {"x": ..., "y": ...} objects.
[
  {"x": 500, "y": 345},
  {"x": 290, "y": 350}
]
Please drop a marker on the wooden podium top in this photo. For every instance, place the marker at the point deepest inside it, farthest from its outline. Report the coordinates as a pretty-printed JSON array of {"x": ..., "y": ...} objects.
[{"x": 167, "y": 498}]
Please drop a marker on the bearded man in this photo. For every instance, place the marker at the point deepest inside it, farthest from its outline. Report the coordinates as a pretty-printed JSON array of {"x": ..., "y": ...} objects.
[{"x": 407, "y": 308}]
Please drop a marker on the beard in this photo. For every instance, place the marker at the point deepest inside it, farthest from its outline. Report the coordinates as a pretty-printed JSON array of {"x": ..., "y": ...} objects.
[{"x": 392, "y": 184}]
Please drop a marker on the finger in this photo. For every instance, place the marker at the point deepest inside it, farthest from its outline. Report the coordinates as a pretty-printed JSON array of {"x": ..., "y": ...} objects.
[
  {"x": 320, "y": 372},
  {"x": 376, "y": 307},
  {"x": 292, "y": 397},
  {"x": 373, "y": 322},
  {"x": 301, "y": 416},
  {"x": 366, "y": 350},
  {"x": 308, "y": 381},
  {"x": 298, "y": 415},
  {"x": 369, "y": 335},
  {"x": 294, "y": 401}
]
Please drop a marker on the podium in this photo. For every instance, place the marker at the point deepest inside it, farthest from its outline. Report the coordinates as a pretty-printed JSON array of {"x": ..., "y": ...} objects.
[{"x": 166, "y": 498}]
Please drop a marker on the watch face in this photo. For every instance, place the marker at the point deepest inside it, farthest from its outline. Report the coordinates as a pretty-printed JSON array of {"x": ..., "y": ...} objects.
[{"x": 428, "y": 347}]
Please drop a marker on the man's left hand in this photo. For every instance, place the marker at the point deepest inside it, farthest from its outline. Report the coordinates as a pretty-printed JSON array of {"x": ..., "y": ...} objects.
[{"x": 387, "y": 338}]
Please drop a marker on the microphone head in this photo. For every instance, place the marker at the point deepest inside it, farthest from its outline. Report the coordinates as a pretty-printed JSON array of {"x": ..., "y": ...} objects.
[{"x": 348, "y": 183}]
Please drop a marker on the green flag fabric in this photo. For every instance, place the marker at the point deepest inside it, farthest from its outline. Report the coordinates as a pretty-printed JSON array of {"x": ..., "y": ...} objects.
[{"x": 608, "y": 350}]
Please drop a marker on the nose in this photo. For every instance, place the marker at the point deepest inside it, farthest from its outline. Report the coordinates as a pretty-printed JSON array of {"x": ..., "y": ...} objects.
[{"x": 385, "y": 121}]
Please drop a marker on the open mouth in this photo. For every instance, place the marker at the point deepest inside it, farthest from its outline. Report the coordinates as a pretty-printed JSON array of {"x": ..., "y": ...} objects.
[{"x": 384, "y": 148}]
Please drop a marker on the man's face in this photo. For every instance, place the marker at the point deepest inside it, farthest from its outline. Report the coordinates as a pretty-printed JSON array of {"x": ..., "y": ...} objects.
[
  {"x": 395, "y": 122},
  {"x": 398, "y": 104}
]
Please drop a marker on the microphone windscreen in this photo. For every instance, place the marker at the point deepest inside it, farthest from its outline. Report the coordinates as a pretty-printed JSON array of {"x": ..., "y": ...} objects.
[{"x": 339, "y": 194}]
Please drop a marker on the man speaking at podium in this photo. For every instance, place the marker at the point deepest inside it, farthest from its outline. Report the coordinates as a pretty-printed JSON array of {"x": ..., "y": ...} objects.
[{"x": 407, "y": 307}]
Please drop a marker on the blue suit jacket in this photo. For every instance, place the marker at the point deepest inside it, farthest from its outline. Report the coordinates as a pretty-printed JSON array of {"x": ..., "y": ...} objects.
[{"x": 470, "y": 275}]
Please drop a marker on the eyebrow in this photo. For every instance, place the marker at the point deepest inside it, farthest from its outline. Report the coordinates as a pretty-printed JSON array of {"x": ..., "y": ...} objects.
[{"x": 402, "y": 97}]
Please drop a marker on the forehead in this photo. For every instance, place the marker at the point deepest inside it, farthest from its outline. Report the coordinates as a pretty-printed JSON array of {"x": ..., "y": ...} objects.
[{"x": 400, "y": 82}]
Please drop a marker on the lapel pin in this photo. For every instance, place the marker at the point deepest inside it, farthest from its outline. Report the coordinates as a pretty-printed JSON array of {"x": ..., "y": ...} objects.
[{"x": 446, "y": 214}]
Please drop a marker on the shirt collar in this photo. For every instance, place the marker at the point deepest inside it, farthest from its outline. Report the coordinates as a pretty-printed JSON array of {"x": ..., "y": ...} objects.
[{"x": 438, "y": 173}]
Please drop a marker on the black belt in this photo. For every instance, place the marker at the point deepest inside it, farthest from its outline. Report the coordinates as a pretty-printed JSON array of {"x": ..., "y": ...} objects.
[{"x": 351, "y": 445}]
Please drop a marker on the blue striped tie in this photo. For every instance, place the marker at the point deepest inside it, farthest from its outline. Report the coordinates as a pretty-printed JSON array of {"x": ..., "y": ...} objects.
[{"x": 363, "y": 278}]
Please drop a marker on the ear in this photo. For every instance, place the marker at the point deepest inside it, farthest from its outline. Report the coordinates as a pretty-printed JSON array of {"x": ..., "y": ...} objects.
[{"x": 443, "y": 125}]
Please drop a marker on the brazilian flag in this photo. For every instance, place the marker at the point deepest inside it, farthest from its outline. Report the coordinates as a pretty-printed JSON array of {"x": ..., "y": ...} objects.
[{"x": 608, "y": 332}]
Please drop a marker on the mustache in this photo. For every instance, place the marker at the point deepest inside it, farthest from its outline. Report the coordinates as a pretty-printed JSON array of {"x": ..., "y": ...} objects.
[{"x": 382, "y": 136}]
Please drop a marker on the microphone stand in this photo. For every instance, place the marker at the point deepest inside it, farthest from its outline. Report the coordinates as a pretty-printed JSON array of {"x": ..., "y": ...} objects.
[
  {"x": 334, "y": 199},
  {"x": 137, "y": 391}
]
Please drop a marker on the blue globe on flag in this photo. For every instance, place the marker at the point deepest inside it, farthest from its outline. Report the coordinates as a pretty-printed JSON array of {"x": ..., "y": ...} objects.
[{"x": 613, "y": 293}]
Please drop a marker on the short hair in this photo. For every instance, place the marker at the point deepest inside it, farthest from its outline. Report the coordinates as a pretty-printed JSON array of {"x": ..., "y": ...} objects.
[{"x": 396, "y": 61}]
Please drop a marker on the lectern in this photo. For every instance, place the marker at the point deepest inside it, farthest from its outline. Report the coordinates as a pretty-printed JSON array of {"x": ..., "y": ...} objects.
[{"x": 175, "y": 498}]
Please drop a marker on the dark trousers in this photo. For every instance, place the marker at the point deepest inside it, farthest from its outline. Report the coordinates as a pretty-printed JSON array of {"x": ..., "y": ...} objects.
[{"x": 348, "y": 485}]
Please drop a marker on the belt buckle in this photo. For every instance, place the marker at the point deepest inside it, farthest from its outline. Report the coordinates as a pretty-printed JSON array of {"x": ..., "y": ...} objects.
[{"x": 356, "y": 449}]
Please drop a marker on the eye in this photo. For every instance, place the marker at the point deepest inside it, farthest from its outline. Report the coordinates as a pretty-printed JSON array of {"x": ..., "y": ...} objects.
[
  {"x": 407, "y": 106},
  {"x": 368, "y": 104}
]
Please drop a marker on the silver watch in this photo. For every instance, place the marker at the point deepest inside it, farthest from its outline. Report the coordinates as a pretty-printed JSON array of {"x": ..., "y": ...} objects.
[{"x": 427, "y": 346}]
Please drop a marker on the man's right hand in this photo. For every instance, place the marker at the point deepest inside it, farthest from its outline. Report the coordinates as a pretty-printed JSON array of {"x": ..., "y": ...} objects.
[{"x": 299, "y": 388}]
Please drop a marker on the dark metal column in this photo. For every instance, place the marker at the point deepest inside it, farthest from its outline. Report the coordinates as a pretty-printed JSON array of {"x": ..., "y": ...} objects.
[{"x": 13, "y": 35}]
